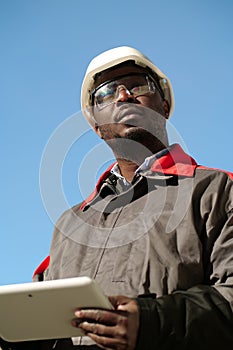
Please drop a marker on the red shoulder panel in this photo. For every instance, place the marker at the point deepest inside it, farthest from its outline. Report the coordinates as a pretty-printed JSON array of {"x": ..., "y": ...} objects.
[{"x": 42, "y": 267}]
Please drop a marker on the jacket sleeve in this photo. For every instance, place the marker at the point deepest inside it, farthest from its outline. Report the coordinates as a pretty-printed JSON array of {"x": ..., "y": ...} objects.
[{"x": 199, "y": 318}]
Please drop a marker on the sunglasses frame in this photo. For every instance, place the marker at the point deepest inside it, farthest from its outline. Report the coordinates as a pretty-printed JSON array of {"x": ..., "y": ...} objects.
[{"x": 148, "y": 77}]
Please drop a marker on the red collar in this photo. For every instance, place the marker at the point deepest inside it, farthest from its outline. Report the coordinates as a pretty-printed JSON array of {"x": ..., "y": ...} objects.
[
  {"x": 97, "y": 187},
  {"x": 174, "y": 162}
]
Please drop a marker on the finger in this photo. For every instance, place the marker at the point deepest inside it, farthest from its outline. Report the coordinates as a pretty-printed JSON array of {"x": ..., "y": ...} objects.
[
  {"x": 96, "y": 328},
  {"x": 109, "y": 343},
  {"x": 107, "y": 331},
  {"x": 99, "y": 316}
]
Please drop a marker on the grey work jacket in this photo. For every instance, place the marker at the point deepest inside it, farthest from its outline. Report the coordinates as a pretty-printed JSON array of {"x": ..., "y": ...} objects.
[
  {"x": 166, "y": 241},
  {"x": 170, "y": 236},
  {"x": 167, "y": 232}
]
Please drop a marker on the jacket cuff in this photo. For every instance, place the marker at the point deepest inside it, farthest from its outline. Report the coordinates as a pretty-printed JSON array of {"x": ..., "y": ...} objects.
[{"x": 149, "y": 324}]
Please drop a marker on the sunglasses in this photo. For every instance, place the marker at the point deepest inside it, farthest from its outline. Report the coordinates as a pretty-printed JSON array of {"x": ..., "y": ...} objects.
[{"x": 135, "y": 84}]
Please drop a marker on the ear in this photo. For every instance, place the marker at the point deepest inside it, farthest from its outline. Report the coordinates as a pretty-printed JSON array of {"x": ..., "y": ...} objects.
[
  {"x": 97, "y": 130},
  {"x": 166, "y": 108}
]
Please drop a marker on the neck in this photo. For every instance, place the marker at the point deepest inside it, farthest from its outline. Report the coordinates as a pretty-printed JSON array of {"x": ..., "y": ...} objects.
[
  {"x": 128, "y": 165},
  {"x": 131, "y": 152},
  {"x": 127, "y": 168}
]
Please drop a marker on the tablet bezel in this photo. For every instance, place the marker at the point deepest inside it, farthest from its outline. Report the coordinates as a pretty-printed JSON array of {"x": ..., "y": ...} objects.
[{"x": 44, "y": 310}]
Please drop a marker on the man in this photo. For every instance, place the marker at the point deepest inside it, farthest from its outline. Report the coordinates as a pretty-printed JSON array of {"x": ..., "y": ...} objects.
[{"x": 157, "y": 232}]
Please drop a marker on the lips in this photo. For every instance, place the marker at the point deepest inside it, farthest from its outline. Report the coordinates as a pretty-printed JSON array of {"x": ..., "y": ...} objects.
[{"x": 128, "y": 114}]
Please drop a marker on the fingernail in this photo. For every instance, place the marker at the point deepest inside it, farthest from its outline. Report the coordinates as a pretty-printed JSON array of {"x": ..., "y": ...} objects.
[{"x": 78, "y": 313}]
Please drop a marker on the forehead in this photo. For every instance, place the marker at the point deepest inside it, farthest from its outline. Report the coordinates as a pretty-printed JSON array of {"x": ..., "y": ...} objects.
[{"x": 116, "y": 72}]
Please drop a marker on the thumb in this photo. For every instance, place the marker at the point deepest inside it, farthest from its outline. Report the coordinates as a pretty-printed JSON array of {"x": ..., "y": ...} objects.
[
  {"x": 123, "y": 307},
  {"x": 118, "y": 301},
  {"x": 113, "y": 301}
]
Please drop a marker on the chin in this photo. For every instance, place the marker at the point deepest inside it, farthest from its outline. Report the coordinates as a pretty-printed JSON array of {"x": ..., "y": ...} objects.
[{"x": 136, "y": 133}]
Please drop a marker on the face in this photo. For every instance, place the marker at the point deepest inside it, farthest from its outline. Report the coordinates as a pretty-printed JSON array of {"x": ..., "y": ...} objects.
[{"x": 131, "y": 114}]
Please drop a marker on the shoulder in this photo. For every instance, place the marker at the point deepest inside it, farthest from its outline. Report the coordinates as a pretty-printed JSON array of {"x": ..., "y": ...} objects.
[
  {"x": 217, "y": 180},
  {"x": 205, "y": 170},
  {"x": 68, "y": 215},
  {"x": 215, "y": 187}
]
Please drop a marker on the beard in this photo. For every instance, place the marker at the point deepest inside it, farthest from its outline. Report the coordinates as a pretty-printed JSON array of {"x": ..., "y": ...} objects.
[{"x": 137, "y": 144}]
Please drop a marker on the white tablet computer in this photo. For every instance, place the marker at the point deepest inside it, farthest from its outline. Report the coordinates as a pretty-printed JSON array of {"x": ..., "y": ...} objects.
[{"x": 44, "y": 310}]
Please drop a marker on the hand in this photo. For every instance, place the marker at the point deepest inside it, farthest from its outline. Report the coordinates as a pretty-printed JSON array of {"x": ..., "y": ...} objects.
[{"x": 111, "y": 329}]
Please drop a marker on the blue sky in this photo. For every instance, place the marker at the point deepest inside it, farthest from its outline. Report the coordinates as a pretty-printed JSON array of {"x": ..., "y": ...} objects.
[{"x": 45, "y": 49}]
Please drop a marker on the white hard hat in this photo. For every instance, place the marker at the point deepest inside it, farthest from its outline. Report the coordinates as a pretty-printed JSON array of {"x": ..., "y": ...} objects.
[{"x": 111, "y": 58}]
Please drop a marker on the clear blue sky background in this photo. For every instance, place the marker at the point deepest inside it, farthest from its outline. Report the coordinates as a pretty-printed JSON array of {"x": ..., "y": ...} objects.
[{"x": 45, "y": 48}]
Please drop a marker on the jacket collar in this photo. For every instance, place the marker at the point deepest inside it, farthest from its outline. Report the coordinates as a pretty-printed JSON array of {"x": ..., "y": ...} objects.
[
  {"x": 173, "y": 162},
  {"x": 97, "y": 187}
]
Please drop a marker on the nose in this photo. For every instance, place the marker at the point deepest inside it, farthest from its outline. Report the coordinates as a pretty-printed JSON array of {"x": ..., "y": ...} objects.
[{"x": 123, "y": 94}]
